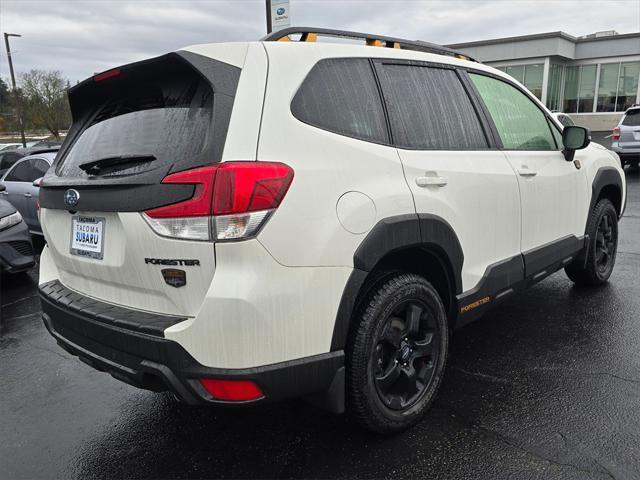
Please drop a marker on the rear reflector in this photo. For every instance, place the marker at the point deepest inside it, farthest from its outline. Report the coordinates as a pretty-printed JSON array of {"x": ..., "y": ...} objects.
[
  {"x": 238, "y": 197},
  {"x": 616, "y": 133},
  {"x": 232, "y": 390}
]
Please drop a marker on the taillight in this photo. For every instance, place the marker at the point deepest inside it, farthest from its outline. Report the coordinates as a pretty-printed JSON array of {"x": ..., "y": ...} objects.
[
  {"x": 232, "y": 390},
  {"x": 616, "y": 133},
  {"x": 231, "y": 201}
]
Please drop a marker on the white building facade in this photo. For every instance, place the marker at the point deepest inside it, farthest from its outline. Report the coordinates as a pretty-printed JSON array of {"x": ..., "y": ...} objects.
[{"x": 593, "y": 78}]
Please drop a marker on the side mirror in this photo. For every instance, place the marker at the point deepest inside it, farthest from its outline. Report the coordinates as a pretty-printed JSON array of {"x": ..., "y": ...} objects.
[
  {"x": 37, "y": 182},
  {"x": 2, "y": 187},
  {"x": 574, "y": 138}
]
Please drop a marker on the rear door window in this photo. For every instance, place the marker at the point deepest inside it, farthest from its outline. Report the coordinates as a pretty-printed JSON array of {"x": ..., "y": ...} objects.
[
  {"x": 341, "y": 95},
  {"x": 429, "y": 108},
  {"x": 521, "y": 124},
  {"x": 25, "y": 171},
  {"x": 168, "y": 116}
]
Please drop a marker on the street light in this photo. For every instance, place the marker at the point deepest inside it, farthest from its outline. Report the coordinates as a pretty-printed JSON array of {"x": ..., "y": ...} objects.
[{"x": 13, "y": 83}]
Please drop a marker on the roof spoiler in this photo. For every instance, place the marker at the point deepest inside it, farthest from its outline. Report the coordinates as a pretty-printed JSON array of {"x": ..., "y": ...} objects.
[{"x": 310, "y": 34}]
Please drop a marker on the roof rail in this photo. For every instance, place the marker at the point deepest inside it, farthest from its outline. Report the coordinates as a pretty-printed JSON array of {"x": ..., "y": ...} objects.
[{"x": 310, "y": 34}]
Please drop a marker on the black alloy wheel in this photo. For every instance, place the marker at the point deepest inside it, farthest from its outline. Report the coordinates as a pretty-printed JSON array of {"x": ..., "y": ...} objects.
[
  {"x": 605, "y": 243},
  {"x": 595, "y": 264},
  {"x": 404, "y": 355},
  {"x": 396, "y": 353}
]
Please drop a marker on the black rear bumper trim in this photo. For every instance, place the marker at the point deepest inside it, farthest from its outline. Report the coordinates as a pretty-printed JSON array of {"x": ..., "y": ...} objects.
[{"x": 158, "y": 364}]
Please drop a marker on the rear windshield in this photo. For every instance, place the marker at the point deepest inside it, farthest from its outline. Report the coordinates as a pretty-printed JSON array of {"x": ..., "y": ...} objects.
[
  {"x": 167, "y": 117},
  {"x": 632, "y": 118}
]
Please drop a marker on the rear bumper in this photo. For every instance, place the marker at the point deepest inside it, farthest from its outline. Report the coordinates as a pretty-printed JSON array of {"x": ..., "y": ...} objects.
[{"x": 130, "y": 346}]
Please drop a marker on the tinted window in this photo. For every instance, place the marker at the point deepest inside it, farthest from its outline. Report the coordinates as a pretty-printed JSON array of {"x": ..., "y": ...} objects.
[
  {"x": 167, "y": 116},
  {"x": 40, "y": 167},
  {"x": 340, "y": 95},
  {"x": 520, "y": 123},
  {"x": 23, "y": 172},
  {"x": 632, "y": 118},
  {"x": 7, "y": 159},
  {"x": 429, "y": 108}
]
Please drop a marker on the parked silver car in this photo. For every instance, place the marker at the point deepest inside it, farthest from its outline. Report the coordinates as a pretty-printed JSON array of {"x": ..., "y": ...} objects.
[
  {"x": 626, "y": 137},
  {"x": 16, "y": 249},
  {"x": 21, "y": 188}
]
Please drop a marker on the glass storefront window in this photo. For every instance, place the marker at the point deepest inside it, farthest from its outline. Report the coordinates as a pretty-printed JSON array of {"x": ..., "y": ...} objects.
[
  {"x": 627, "y": 85},
  {"x": 533, "y": 75},
  {"x": 571, "y": 78},
  {"x": 607, "y": 87},
  {"x": 516, "y": 71},
  {"x": 618, "y": 87},
  {"x": 571, "y": 89},
  {"x": 587, "y": 90},
  {"x": 554, "y": 86}
]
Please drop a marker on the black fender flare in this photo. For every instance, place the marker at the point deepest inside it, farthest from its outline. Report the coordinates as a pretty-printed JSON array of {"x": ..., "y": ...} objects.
[
  {"x": 390, "y": 235},
  {"x": 604, "y": 177}
]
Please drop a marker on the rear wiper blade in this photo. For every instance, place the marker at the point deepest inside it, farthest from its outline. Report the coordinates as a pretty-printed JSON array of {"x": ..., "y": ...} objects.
[{"x": 95, "y": 166}]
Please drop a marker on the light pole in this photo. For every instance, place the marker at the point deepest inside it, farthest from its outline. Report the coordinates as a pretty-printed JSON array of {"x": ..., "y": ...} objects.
[{"x": 13, "y": 83}]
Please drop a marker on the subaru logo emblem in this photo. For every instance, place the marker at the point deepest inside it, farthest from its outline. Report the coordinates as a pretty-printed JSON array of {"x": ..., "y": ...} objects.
[
  {"x": 280, "y": 11},
  {"x": 71, "y": 197}
]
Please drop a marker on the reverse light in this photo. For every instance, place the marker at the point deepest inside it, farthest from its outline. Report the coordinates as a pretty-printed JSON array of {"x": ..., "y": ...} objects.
[
  {"x": 232, "y": 390},
  {"x": 231, "y": 201},
  {"x": 616, "y": 133}
]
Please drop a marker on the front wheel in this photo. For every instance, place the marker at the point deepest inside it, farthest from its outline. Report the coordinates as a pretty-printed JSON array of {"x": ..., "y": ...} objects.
[
  {"x": 397, "y": 354},
  {"x": 602, "y": 229}
]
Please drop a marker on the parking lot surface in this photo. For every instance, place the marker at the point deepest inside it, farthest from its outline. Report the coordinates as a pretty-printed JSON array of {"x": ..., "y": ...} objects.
[{"x": 545, "y": 386}]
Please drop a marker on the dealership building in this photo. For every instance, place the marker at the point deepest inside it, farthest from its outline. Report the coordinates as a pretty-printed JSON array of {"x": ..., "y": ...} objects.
[{"x": 593, "y": 78}]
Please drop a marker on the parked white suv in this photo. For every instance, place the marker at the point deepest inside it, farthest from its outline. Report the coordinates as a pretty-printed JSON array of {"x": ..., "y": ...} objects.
[{"x": 246, "y": 222}]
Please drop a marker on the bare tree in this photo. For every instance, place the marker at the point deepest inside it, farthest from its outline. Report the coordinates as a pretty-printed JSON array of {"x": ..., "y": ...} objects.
[{"x": 45, "y": 100}]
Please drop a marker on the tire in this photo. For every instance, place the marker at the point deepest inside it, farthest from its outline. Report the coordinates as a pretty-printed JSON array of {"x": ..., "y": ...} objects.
[
  {"x": 602, "y": 228},
  {"x": 396, "y": 354}
]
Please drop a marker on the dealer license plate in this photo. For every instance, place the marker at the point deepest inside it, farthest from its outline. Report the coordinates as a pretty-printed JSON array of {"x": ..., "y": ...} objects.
[{"x": 87, "y": 236}]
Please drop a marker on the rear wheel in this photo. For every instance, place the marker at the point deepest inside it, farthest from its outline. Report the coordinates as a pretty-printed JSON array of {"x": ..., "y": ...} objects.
[
  {"x": 397, "y": 354},
  {"x": 603, "y": 245}
]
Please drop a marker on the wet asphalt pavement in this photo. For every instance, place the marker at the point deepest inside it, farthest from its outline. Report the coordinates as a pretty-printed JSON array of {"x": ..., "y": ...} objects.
[{"x": 545, "y": 386}]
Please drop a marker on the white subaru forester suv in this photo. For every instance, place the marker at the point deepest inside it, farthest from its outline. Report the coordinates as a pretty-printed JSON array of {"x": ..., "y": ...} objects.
[{"x": 247, "y": 222}]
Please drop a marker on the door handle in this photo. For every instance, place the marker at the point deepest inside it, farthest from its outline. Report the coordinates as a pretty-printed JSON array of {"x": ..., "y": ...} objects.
[
  {"x": 27, "y": 195},
  {"x": 525, "y": 172},
  {"x": 428, "y": 181}
]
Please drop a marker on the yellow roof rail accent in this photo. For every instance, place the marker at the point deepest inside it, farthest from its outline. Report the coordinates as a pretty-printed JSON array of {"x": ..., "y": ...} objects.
[
  {"x": 311, "y": 34},
  {"x": 309, "y": 37}
]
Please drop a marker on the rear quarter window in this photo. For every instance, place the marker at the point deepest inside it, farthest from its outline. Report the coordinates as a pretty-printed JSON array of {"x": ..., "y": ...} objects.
[
  {"x": 340, "y": 95},
  {"x": 632, "y": 118}
]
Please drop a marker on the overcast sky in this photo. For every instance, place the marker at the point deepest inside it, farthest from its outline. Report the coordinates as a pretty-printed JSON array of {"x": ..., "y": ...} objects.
[{"x": 82, "y": 37}]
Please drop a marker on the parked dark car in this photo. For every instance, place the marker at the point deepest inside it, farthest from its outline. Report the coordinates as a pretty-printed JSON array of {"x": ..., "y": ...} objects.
[
  {"x": 20, "y": 189},
  {"x": 8, "y": 158},
  {"x": 16, "y": 249}
]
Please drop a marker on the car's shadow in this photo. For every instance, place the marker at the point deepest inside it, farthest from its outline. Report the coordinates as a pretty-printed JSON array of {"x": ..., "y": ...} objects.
[{"x": 523, "y": 360}]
